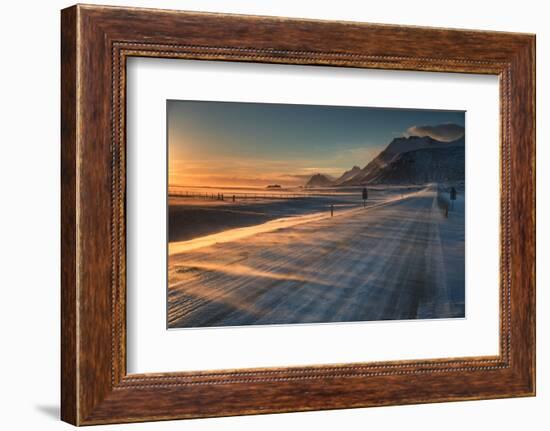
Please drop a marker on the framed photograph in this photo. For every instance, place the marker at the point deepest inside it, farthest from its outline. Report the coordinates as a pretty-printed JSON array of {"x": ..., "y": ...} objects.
[
  {"x": 272, "y": 221},
  {"x": 266, "y": 215}
]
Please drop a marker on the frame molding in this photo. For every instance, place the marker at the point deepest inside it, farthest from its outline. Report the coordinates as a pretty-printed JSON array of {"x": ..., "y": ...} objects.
[{"x": 96, "y": 41}]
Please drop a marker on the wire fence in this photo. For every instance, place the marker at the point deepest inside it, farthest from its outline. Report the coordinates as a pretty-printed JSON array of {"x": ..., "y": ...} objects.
[{"x": 234, "y": 196}]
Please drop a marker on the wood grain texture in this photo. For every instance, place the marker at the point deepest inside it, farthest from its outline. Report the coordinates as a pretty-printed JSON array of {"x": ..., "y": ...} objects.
[
  {"x": 96, "y": 41},
  {"x": 69, "y": 397}
]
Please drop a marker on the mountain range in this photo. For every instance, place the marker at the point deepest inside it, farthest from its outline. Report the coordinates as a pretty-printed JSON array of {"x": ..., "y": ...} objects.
[{"x": 413, "y": 159}]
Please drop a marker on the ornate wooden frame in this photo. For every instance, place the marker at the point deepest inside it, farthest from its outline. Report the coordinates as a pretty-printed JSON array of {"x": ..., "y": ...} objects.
[{"x": 96, "y": 41}]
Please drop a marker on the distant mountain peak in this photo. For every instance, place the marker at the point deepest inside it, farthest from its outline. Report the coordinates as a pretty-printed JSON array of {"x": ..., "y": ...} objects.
[
  {"x": 398, "y": 147},
  {"x": 348, "y": 175},
  {"x": 407, "y": 143},
  {"x": 319, "y": 180},
  {"x": 428, "y": 164},
  {"x": 417, "y": 157}
]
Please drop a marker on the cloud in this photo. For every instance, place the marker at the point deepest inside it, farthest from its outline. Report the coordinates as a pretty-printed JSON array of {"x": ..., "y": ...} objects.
[{"x": 442, "y": 132}]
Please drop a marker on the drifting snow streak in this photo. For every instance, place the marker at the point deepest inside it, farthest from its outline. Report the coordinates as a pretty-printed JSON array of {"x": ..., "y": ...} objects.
[{"x": 270, "y": 226}]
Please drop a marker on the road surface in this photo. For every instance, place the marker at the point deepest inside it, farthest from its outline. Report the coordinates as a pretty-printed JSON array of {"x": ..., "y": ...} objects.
[{"x": 399, "y": 260}]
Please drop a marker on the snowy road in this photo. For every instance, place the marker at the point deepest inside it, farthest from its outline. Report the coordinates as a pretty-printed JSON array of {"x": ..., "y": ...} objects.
[{"x": 399, "y": 260}]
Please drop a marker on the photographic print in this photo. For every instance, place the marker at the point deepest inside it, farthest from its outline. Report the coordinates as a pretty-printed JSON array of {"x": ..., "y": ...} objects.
[{"x": 293, "y": 214}]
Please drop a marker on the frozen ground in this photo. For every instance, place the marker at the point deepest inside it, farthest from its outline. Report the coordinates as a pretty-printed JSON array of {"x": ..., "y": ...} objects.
[{"x": 400, "y": 258}]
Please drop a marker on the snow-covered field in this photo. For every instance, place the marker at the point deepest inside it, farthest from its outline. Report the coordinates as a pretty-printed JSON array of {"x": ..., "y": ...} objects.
[{"x": 398, "y": 258}]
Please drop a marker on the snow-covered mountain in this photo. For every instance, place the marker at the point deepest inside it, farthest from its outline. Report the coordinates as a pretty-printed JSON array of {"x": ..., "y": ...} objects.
[
  {"x": 414, "y": 159},
  {"x": 424, "y": 165},
  {"x": 377, "y": 170}
]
